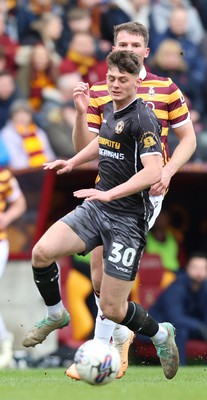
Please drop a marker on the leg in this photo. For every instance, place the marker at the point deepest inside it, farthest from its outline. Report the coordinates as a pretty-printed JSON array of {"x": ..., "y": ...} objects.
[
  {"x": 114, "y": 306},
  {"x": 58, "y": 241},
  {"x": 136, "y": 318},
  {"x": 105, "y": 328},
  {"x": 6, "y": 337},
  {"x": 97, "y": 268}
]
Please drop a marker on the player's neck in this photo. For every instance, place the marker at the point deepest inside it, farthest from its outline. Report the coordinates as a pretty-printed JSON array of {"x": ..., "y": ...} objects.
[{"x": 121, "y": 104}]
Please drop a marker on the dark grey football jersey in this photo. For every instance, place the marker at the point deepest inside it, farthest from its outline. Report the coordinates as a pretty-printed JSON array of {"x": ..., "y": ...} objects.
[{"x": 125, "y": 137}]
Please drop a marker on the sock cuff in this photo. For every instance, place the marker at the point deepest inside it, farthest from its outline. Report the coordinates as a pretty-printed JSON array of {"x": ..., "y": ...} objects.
[{"x": 44, "y": 270}]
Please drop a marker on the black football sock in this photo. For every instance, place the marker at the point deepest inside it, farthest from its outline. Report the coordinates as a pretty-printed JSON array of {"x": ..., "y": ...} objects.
[
  {"x": 138, "y": 320},
  {"x": 47, "y": 282}
]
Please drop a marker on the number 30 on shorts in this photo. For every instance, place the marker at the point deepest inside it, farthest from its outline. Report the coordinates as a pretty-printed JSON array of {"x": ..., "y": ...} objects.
[{"x": 118, "y": 254}]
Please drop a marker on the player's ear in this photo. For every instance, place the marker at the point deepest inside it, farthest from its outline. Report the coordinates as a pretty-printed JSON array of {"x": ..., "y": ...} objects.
[
  {"x": 147, "y": 51},
  {"x": 139, "y": 81}
]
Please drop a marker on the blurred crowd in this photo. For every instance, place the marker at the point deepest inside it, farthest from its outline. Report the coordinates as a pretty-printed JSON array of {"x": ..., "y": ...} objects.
[{"x": 47, "y": 46}]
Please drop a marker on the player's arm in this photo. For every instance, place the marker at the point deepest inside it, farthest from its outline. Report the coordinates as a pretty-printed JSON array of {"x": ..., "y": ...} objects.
[
  {"x": 14, "y": 210},
  {"x": 81, "y": 135},
  {"x": 181, "y": 155},
  {"x": 89, "y": 153},
  {"x": 184, "y": 149},
  {"x": 149, "y": 175}
]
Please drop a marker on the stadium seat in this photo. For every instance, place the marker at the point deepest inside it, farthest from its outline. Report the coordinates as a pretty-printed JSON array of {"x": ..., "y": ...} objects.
[{"x": 147, "y": 286}]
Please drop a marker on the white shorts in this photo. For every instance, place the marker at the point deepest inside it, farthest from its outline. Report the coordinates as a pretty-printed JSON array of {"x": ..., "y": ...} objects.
[
  {"x": 4, "y": 251},
  {"x": 157, "y": 205}
]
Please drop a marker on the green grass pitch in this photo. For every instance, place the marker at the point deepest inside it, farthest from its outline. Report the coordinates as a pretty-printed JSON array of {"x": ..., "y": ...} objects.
[{"x": 140, "y": 383}]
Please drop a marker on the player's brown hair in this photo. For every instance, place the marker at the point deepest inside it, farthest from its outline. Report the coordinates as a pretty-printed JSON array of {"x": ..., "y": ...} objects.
[
  {"x": 125, "y": 61},
  {"x": 133, "y": 28}
]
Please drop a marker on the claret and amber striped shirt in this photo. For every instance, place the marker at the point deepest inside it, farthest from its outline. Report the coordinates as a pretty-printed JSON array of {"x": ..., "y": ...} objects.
[
  {"x": 9, "y": 192},
  {"x": 161, "y": 94}
]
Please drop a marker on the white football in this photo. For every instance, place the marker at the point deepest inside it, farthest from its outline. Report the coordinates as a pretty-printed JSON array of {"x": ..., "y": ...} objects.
[{"x": 97, "y": 363}]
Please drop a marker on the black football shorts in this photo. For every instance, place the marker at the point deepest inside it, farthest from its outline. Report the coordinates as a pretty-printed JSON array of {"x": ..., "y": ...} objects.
[{"x": 123, "y": 237}]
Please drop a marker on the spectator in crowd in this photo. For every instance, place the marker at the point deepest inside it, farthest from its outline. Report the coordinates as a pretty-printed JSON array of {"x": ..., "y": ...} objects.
[
  {"x": 183, "y": 303},
  {"x": 36, "y": 72},
  {"x": 23, "y": 16},
  {"x": 39, "y": 7},
  {"x": 80, "y": 20},
  {"x": 163, "y": 241},
  {"x": 49, "y": 29},
  {"x": 12, "y": 206},
  {"x": 200, "y": 5},
  {"x": 191, "y": 52},
  {"x": 9, "y": 45},
  {"x": 104, "y": 13},
  {"x": 4, "y": 154},
  {"x": 112, "y": 13},
  {"x": 9, "y": 92},
  {"x": 81, "y": 57},
  {"x": 161, "y": 11},
  {"x": 138, "y": 10},
  {"x": 57, "y": 115},
  {"x": 3, "y": 60},
  {"x": 27, "y": 144},
  {"x": 8, "y": 8},
  {"x": 28, "y": 12}
]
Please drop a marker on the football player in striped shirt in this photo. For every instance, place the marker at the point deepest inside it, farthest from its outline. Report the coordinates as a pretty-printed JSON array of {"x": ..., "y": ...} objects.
[{"x": 12, "y": 206}]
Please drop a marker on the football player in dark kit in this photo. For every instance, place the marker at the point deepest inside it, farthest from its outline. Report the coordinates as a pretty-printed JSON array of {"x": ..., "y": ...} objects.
[
  {"x": 115, "y": 213},
  {"x": 168, "y": 104}
]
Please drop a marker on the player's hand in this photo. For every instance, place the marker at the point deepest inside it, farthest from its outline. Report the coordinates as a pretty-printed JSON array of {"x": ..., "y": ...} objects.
[
  {"x": 162, "y": 186},
  {"x": 61, "y": 166},
  {"x": 81, "y": 97},
  {"x": 92, "y": 194}
]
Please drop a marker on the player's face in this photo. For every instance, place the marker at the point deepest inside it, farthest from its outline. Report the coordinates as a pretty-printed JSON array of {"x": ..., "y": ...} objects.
[
  {"x": 122, "y": 87},
  {"x": 134, "y": 43}
]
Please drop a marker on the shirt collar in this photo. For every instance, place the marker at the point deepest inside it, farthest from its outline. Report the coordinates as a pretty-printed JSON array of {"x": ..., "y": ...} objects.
[
  {"x": 143, "y": 73},
  {"x": 126, "y": 105}
]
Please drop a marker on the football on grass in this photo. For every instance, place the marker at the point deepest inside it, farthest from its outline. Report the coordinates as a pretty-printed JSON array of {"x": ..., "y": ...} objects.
[{"x": 97, "y": 363}]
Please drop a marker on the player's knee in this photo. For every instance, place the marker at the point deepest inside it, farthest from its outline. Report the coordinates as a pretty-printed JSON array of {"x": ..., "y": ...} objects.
[
  {"x": 111, "y": 311},
  {"x": 39, "y": 256}
]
